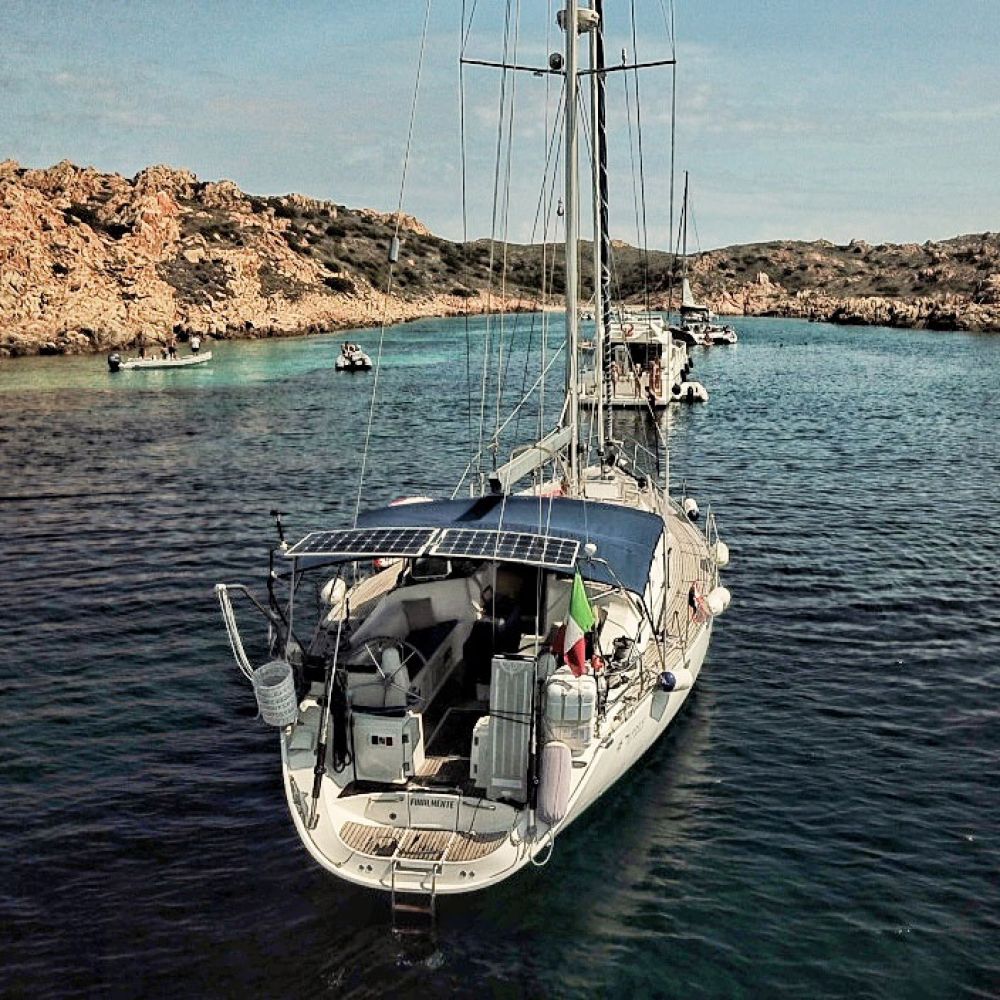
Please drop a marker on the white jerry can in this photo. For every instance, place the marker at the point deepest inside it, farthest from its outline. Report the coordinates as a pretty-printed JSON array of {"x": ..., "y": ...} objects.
[{"x": 570, "y": 709}]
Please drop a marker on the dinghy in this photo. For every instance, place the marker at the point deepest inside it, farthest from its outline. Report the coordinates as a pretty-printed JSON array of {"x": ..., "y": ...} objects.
[{"x": 150, "y": 364}]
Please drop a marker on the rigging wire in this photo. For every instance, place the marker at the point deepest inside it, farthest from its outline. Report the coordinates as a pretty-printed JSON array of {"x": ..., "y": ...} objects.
[
  {"x": 539, "y": 380},
  {"x": 543, "y": 211},
  {"x": 694, "y": 224},
  {"x": 671, "y": 29},
  {"x": 395, "y": 242},
  {"x": 549, "y": 146},
  {"x": 642, "y": 171},
  {"x": 488, "y": 334},
  {"x": 669, "y": 24},
  {"x": 631, "y": 153},
  {"x": 545, "y": 226},
  {"x": 465, "y": 216},
  {"x": 506, "y": 220}
]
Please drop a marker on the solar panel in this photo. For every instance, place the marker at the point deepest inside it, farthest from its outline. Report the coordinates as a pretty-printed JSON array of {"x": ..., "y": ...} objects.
[
  {"x": 364, "y": 542},
  {"x": 509, "y": 546}
]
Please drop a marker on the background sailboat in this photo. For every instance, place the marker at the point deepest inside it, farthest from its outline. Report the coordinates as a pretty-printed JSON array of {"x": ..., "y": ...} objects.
[{"x": 697, "y": 321}]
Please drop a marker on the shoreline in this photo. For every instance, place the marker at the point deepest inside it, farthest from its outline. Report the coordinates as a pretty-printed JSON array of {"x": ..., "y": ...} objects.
[
  {"x": 899, "y": 314},
  {"x": 323, "y": 320},
  {"x": 885, "y": 314}
]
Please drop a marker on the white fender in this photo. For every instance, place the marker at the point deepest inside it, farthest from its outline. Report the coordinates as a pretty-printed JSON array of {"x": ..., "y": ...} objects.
[
  {"x": 556, "y": 767},
  {"x": 690, "y": 507},
  {"x": 718, "y": 600},
  {"x": 333, "y": 591},
  {"x": 682, "y": 679},
  {"x": 721, "y": 554}
]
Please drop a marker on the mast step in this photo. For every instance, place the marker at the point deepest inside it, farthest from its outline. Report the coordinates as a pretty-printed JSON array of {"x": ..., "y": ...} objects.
[{"x": 413, "y": 908}]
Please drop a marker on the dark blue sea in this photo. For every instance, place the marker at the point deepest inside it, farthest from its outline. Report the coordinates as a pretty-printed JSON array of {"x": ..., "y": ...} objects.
[{"x": 823, "y": 819}]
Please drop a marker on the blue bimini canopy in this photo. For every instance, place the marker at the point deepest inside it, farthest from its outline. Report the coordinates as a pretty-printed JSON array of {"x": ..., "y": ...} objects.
[{"x": 542, "y": 531}]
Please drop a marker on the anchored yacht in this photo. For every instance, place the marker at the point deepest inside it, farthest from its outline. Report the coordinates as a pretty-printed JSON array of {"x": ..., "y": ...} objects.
[
  {"x": 644, "y": 366},
  {"x": 455, "y": 681}
]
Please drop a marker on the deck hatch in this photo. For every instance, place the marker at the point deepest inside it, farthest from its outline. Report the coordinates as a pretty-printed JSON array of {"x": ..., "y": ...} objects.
[
  {"x": 509, "y": 546},
  {"x": 364, "y": 542}
]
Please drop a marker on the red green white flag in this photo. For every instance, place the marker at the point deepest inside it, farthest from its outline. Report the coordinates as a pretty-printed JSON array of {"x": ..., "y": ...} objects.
[{"x": 580, "y": 621}]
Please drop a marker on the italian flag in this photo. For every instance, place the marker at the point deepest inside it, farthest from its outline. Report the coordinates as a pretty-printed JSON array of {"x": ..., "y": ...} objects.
[{"x": 580, "y": 621}]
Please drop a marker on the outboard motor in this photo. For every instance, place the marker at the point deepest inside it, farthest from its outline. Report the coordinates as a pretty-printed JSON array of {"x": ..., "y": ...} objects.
[{"x": 114, "y": 361}]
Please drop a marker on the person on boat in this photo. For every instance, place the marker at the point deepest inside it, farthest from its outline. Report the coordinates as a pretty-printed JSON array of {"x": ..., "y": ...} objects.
[
  {"x": 195, "y": 343},
  {"x": 172, "y": 349}
]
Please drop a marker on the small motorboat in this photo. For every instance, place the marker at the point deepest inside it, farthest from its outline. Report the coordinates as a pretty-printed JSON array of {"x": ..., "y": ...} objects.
[
  {"x": 115, "y": 363},
  {"x": 352, "y": 359},
  {"x": 721, "y": 334},
  {"x": 689, "y": 392}
]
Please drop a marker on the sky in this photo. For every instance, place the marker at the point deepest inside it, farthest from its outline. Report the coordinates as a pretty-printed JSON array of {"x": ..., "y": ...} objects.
[{"x": 796, "y": 119}]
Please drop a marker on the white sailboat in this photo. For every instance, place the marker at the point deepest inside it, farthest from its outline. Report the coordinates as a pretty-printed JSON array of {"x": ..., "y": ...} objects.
[
  {"x": 480, "y": 671},
  {"x": 697, "y": 321}
]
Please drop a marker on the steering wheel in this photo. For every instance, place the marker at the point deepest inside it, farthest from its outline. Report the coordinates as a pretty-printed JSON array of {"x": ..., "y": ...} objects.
[{"x": 408, "y": 655}]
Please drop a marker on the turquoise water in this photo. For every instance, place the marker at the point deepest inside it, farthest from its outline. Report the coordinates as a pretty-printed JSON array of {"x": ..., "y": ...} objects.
[{"x": 821, "y": 821}]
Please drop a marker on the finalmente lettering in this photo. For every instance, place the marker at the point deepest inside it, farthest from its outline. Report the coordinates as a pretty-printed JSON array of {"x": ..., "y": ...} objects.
[{"x": 434, "y": 803}]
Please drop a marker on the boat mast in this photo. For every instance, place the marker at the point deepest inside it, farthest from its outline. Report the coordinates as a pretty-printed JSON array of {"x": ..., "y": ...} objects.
[
  {"x": 569, "y": 21},
  {"x": 595, "y": 169},
  {"x": 684, "y": 236},
  {"x": 602, "y": 241}
]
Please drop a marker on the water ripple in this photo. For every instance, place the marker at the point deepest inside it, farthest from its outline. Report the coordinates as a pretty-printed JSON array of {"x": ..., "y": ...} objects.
[{"x": 821, "y": 821}]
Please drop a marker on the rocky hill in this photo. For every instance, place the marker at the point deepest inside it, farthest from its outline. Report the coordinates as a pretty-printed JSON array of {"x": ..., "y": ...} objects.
[
  {"x": 948, "y": 285},
  {"x": 92, "y": 261}
]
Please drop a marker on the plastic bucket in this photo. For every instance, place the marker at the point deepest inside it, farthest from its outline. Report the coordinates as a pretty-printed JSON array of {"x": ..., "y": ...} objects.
[{"x": 274, "y": 688}]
